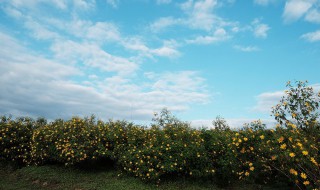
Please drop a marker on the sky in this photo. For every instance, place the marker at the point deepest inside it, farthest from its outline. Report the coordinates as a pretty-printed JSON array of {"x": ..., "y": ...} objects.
[{"x": 126, "y": 59}]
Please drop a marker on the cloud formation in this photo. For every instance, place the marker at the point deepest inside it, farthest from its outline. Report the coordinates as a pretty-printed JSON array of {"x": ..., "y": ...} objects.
[
  {"x": 246, "y": 48},
  {"x": 312, "y": 36},
  {"x": 295, "y": 9},
  {"x": 74, "y": 74}
]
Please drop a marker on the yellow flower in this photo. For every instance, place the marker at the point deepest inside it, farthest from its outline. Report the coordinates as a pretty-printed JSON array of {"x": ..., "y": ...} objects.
[
  {"x": 252, "y": 168},
  {"x": 294, "y": 172},
  {"x": 245, "y": 138},
  {"x": 283, "y": 146},
  {"x": 247, "y": 174},
  {"x": 250, "y": 164},
  {"x": 303, "y": 175},
  {"x": 306, "y": 183},
  {"x": 280, "y": 140},
  {"x": 314, "y": 161},
  {"x": 305, "y": 153},
  {"x": 262, "y": 137},
  {"x": 292, "y": 155}
]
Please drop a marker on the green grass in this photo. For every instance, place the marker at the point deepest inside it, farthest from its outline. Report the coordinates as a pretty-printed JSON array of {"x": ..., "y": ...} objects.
[{"x": 75, "y": 178}]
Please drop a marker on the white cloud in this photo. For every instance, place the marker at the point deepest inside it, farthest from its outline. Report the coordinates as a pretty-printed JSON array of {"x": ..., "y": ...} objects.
[
  {"x": 313, "y": 16},
  {"x": 294, "y": 9},
  {"x": 246, "y": 48},
  {"x": 77, "y": 76},
  {"x": 263, "y": 2},
  {"x": 312, "y": 36},
  {"x": 166, "y": 52},
  {"x": 39, "y": 31},
  {"x": 168, "y": 48},
  {"x": 113, "y": 3},
  {"x": 163, "y": 23},
  {"x": 163, "y": 2},
  {"x": 13, "y": 12},
  {"x": 33, "y": 4},
  {"x": 48, "y": 86},
  {"x": 92, "y": 55},
  {"x": 260, "y": 30},
  {"x": 266, "y": 100},
  {"x": 103, "y": 31},
  {"x": 218, "y": 36},
  {"x": 200, "y": 13},
  {"x": 84, "y": 4}
]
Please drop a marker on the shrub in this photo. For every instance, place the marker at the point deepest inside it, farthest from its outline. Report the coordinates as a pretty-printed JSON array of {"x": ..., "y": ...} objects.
[{"x": 15, "y": 139}]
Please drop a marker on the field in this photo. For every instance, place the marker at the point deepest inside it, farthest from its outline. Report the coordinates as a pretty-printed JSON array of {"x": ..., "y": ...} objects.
[{"x": 75, "y": 178}]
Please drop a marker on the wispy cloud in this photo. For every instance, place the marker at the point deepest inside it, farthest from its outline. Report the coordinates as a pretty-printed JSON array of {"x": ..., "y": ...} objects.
[
  {"x": 76, "y": 75},
  {"x": 260, "y": 30},
  {"x": 266, "y": 100},
  {"x": 218, "y": 36},
  {"x": 48, "y": 86},
  {"x": 312, "y": 36},
  {"x": 263, "y": 2},
  {"x": 113, "y": 3},
  {"x": 163, "y": 23},
  {"x": 295, "y": 9},
  {"x": 92, "y": 55},
  {"x": 246, "y": 48},
  {"x": 163, "y": 2},
  {"x": 200, "y": 13},
  {"x": 313, "y": 16}
]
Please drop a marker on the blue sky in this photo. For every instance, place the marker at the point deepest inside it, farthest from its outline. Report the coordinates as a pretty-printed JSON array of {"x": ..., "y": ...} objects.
[{"x": 126, "y": 59}]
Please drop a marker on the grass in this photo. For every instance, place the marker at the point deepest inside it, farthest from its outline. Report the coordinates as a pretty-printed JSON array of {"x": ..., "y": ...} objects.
[{"x": 78, "y": 178}]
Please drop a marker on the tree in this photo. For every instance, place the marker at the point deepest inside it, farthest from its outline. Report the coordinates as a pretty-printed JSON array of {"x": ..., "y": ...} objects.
[
  {"x": 299, "y": 107},
  {"x": 165, "y": 118},
  {"x": 220, "y": 123}
]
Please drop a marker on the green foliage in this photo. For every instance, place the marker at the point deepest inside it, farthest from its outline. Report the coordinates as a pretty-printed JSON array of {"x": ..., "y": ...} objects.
[
  {"x": 15, "y": 139},
  {"x": 299, "y": 107},
  {"x": 220, "y": 124},
  {"x": 166, "y": 118}
]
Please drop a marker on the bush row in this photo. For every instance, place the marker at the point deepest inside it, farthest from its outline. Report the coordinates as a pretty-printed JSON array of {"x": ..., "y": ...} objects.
[{"x": 253, "y": 153}]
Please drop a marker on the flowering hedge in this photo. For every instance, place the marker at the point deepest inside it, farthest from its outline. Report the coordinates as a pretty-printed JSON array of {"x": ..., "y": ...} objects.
[{"x": 257, "y": 155}]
